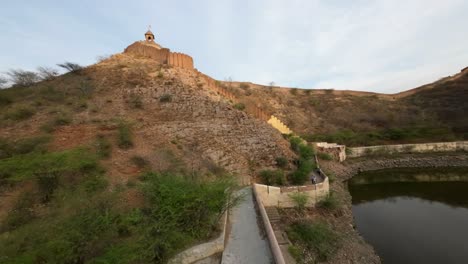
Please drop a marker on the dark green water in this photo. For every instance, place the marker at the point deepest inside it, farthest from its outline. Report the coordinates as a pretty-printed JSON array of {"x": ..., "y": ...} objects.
[{"x": 413, "y": 216}]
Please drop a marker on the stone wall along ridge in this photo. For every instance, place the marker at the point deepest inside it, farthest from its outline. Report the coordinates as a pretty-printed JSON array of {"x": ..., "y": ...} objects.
[{"x": 409, "y": 148}]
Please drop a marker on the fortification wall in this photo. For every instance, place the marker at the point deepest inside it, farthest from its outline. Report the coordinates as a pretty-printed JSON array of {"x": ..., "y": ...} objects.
[
  {"x": 280, "y": 126},
  {"x": 249, "y": 108},
  {"x": 140, "y": 49},
  {"x": 162, "y": 55},
  {"x": 181, "y": 60},
  {"x": 280, "y": 196},
  {"x": 409, "y": 148}
]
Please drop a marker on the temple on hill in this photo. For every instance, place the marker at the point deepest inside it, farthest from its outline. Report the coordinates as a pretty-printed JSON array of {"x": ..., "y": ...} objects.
[{"x": 150, "y": 49}]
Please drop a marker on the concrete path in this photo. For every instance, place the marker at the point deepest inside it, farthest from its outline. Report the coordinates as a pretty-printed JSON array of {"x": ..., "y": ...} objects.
[{"x": 246, "y": 242}]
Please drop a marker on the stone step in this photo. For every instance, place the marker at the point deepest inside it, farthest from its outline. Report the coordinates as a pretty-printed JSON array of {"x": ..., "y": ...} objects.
[{"x": 281, "y": 237}]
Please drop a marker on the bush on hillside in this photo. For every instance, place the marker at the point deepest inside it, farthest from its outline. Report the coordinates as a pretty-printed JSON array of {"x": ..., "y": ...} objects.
[
  {"x": 70, "y": 66},
  {"x": 22, "y": 146},
  {"x": 330, "y": 202},
  {"x": 301, "y": 175},
  {"x": 300, "y": 200},
  {"x": 318, "y": 237},
  {"x": 103, "y": 147},
  {"x": 135, "y": 101},
  {"x": 244, "y": 86},
  {"x": 139, "y": 161},
  {"x": 281, "y": 162},
  {"x": 324, "y": 156},
  {"x": 125, "y": 137},
  {"x": 23, "y": 78},
  {"x": 165, "y": 98},
  {"x": 239, "y": 106},
  {"x": 273, "y": 177},
  {"x": 19, "y": 113},
  {"x": 47, "y": 73}
]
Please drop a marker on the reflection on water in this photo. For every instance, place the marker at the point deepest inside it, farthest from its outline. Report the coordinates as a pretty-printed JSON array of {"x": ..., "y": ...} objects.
[{"x": 413, "y": 222}]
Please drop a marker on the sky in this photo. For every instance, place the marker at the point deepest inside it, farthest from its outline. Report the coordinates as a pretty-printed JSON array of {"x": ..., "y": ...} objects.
[{"x": 382, "y": 46}]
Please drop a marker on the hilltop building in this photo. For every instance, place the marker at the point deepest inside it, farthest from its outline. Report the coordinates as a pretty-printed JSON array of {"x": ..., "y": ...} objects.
[{"x": 149, "y": 48}]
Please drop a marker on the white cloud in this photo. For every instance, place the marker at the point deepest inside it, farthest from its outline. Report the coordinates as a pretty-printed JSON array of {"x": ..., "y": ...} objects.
[{"x": 385, "y": 45}]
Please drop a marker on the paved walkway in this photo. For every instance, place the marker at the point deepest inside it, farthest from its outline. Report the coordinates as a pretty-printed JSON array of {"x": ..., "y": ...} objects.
[{"x": 246, "y": 244}]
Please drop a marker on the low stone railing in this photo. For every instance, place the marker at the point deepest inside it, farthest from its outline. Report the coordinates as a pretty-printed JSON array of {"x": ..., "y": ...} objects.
[{"x": 274, "y": 245}]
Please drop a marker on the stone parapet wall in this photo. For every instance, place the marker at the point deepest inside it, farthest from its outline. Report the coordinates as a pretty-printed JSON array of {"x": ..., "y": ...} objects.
[
  {"x": 181, "y": 60},
  {"x": 161, "y": 55},
  {"x": 274, "y": 245},
  {"x": 280, "y": 196},
  {"x": 145, "y": 50},
  {"x": 409, "y": 148}
]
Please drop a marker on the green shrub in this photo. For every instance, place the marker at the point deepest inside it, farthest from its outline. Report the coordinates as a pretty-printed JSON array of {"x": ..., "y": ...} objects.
[
  {"x": 306, "y": 151},
  {"x": 301, "y": 175},
  {"x": 124, "y": 139},
  {"x": 20, "y": 167},
  {"x": 181, "y": 212},
  {"x": 272, "y": 177},
  {"x": 330, "y": 202},
  {"x": 21, "y": 214},
  {"x": 139, "y": 161},
  {"x": 62, "y": 120},
  {"x": 103, "y": 147},
  {"x": 300, "y": 200},
  {"x": 23, "y": 146},
  {"x": 165, "y": 98},
  {"x": 295, "y": 252},
  {"x": 239, "y": 106},
  {"x": 324, "y": 156},
  {"x": 135, "y": 101},
  {"x": 317, "y": 237},
  {"x": 20, "y": 113},
  {"x": 281, "y": 162},
  {"x": 295, "y": 143},
  {"x": 293, "y": 91},
  {"x": 47, "y": 183},
  {"x": 244, "y": 86},
  {"x": 5, "y": 100}
]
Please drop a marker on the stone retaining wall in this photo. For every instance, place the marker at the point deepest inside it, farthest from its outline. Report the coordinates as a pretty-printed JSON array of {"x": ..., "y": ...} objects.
[
  {"x": 338, "y": 152},
  {"x": 280, "y": 196},
  {"x": 409, "y": 148}
]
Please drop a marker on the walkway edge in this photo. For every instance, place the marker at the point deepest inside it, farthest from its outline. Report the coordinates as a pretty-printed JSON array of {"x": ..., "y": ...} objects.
[{"x": 274, "y": 246}]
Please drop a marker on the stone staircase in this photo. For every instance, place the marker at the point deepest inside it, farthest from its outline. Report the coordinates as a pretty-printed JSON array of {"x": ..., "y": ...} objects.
[
  {"x": 275, "y": 220},
  {"x": 281, "y": 237}
]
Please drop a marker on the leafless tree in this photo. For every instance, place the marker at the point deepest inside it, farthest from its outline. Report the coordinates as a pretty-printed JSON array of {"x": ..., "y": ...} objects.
[
  {"x": 47, "y": 73},
  {"x": 23, "y": 78},
  {"x": 3, "y": 82},
  {"x": 229, "y": 81},
  {"x": 102, "y": 58},
  {"x": 70, "y": 66},
  {"x": 85, "y": 88}
]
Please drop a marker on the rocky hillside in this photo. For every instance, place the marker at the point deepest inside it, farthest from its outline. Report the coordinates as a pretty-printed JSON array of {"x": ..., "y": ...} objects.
[
  {"x": 170, "y": 111},
  {"x": 434, "y": 112}
]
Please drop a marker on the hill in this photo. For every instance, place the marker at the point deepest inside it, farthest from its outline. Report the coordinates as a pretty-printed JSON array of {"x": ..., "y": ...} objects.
[
  {"x": 111, "y": 162},
  {"x": 131, "y": 160},
  {"x": 434, "y": 112}
]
